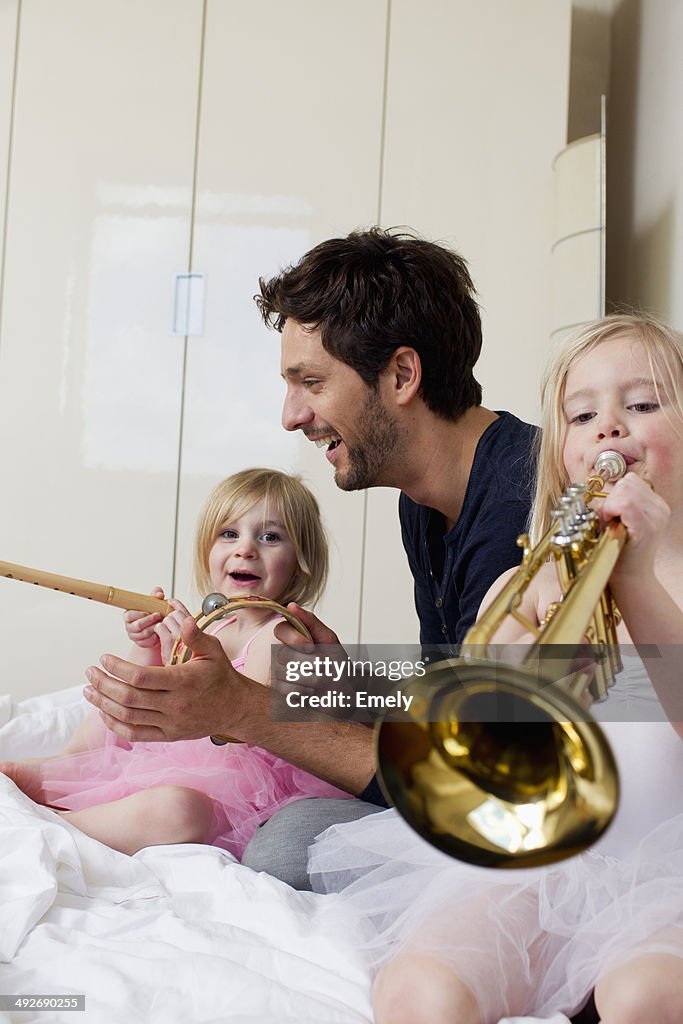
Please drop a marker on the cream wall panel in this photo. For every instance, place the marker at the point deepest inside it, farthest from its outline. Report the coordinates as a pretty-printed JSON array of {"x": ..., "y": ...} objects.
[
  {"x": 645, "y": 153},
  {"x": 289, "y": 154},
  {"x": 476, "y": 111},
  {"x": 90, "y": 377},
  {"x": 578, "y": 171},
  {"x": 579, "y": 234},
  {"x": 9, "y": 12},
  {"x": 577, "y": 284}
]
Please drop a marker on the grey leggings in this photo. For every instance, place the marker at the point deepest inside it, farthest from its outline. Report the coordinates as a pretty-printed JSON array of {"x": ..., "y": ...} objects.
[{"x": 280, "y": 846}]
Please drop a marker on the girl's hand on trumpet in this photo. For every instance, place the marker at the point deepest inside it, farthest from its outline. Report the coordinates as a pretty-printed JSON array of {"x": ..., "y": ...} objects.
[{"x": 645, "y": 515}]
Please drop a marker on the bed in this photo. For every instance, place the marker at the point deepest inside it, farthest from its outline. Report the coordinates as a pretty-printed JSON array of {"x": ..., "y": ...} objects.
[{"x": 174, "y": 934}]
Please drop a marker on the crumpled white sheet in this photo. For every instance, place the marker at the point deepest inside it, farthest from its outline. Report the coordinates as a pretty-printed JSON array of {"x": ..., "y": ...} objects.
[{"x": 174, "y": 934}]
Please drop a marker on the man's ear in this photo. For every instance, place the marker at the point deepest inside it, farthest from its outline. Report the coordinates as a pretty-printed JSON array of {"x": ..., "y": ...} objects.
[{"x": 405, "y": 374}]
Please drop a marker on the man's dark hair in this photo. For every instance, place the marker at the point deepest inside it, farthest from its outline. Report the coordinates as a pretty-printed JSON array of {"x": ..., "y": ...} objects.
[{"x": 375, "y": 290}]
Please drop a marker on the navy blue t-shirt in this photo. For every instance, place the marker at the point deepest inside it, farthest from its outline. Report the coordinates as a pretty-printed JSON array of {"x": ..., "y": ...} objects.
[{"x": 454, "y": 570}]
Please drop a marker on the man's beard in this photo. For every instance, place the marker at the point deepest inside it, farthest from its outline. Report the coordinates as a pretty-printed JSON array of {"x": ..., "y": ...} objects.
[{"x": 368, "y": 456}]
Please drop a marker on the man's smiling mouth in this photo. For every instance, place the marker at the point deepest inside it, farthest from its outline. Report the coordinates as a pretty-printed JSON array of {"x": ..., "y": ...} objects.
[{"x": 329, "y": 441}]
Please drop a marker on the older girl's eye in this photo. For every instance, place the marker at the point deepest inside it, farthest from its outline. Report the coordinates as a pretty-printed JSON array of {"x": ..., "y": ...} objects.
[
  {"x": 582, "y": 417},
  {"x": 644, "y": 406},
  {"x": 228, "y": 534}
]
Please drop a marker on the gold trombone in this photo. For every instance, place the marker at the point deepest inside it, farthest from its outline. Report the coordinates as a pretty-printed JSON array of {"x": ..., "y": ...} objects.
[{"x": 500, "y": 764}]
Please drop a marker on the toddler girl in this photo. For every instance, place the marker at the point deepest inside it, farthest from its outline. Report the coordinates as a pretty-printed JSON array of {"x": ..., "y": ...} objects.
[{"x": 260, "y": 534}]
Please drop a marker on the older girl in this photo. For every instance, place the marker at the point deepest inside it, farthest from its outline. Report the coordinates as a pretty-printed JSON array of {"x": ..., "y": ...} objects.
[{"x": 468, "y": 945}]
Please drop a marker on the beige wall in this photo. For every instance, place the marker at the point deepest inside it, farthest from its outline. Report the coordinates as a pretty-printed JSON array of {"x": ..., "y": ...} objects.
[
  {"x": 645, "y": 155},
  {"x": 589, "y": 65},
  {"x": 630, "y": 51},
  {"x": 294, "y": 121}
]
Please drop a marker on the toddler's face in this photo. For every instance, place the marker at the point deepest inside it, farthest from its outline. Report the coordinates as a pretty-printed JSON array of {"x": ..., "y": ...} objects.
[
  {"x": 253, "y": 555},
  {"x": 611, "y": 402}
]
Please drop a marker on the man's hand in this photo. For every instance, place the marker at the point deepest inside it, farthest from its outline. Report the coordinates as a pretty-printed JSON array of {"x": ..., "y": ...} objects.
[
  {"x": 296, "y": 649},
  {"x": 202, "y": 697},
  {"x": 291, "y": 637}
]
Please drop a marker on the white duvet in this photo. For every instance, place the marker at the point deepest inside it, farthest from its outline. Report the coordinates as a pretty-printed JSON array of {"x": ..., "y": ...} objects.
[{"x": 175, "y": 934}]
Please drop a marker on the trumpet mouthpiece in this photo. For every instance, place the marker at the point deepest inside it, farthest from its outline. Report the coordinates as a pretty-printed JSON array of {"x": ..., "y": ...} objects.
[{"x": 610, "y": 465}]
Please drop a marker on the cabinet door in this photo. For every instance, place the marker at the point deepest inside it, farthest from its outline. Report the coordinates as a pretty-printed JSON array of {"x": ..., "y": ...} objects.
[
  {"x": 476, "y": 111},
  {"x": 98, "y": 219},
  {"x": 289, "y": 154},
  {"x": 9, "y": 14}
]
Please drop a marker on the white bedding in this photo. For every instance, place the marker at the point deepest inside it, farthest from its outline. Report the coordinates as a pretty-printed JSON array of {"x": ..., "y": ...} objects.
[{"x": 174, "y": 934}]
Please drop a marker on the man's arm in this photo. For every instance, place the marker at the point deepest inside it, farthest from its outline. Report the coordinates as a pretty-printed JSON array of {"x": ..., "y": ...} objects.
[{"x": 206, "y": 696}]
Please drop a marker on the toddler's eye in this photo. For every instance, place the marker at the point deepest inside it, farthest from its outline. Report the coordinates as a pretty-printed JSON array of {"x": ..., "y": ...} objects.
[
  {"x": 271, "y": 538},
  {"x": 644, "y": 406},
  {"x": 582, "y": 417},
  {"x": 228, "y": 534}
]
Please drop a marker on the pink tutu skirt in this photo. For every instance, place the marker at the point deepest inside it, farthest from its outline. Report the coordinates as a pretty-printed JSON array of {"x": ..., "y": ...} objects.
[
  {"x": 246, "y": 784},
  {"x": 531, "y": 941}
]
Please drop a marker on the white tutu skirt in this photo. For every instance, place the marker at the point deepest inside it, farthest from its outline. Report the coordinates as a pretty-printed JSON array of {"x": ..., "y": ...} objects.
[{"x": 531, "y": 941}]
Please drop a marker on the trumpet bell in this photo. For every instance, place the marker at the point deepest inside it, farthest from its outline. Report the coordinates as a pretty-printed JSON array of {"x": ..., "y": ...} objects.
[{"x": 509, "y": 770}]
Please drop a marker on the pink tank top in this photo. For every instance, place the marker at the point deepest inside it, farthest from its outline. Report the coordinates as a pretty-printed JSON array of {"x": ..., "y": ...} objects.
[{"x": 240, "y": 660}]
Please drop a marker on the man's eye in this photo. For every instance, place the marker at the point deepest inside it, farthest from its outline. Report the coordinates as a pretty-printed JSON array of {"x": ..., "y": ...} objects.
[{"x": 310, "y": 382}]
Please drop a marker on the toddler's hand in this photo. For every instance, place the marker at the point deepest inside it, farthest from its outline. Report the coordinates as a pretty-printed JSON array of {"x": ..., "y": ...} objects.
[
  {"x": 141, "y": 626},
  {"x": 645, "y": 515},
  {"x": 168, "y": 630}
]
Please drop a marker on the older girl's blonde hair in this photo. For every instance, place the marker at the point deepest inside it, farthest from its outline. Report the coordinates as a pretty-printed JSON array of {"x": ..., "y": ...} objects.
[
  {"x": 664, "y": 348},
  {"x": 289, "y": 498}
]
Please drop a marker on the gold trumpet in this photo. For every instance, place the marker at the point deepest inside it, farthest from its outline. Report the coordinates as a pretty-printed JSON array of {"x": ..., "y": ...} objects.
[
  {"x": 501, "y": 765},
  {"x": 214, "y": 606}
]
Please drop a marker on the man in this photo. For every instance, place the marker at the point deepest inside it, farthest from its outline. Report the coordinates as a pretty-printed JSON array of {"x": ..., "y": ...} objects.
[{"x": 380, "y": 334}]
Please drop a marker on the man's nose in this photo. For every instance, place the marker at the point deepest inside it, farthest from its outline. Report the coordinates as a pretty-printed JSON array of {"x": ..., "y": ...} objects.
[{"x": 295, "y": 412}]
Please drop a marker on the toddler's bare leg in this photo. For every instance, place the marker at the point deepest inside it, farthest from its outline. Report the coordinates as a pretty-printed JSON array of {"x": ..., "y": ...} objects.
[
  {"x": 90, "y": 734},
  {"x": 26, "y": 773},
  {"x": 152, "y": 817}
]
